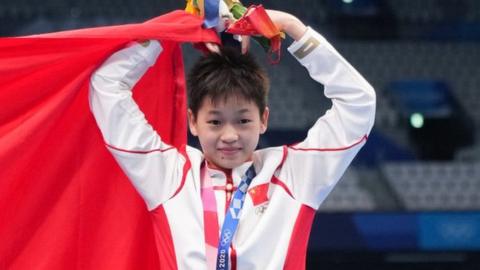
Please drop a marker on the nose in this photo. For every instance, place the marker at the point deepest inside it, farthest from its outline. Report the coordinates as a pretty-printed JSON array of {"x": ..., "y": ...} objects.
[{"x": 229, "y": 134}]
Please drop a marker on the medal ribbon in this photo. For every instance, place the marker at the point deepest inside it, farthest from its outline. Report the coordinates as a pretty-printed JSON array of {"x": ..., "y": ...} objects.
[{"x": 232, "y": 216}]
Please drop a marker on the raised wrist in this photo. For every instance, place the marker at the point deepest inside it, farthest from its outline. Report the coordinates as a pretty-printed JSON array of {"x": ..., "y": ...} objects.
[{"x": 294, "y": 27}]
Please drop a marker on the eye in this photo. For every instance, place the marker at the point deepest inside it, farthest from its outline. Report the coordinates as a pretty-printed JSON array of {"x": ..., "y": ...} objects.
[
  {"x": 245, "y": 121},
  {"x": 214, "y": 122}
]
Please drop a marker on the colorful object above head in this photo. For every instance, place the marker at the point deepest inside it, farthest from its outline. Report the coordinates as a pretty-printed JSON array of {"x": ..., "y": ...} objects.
[
  {"x": 208, "y": 9},
  {"x": 254, "y": 22},
  {"x": 195, "y": 7},
  {"x": 238, "y": 20}
]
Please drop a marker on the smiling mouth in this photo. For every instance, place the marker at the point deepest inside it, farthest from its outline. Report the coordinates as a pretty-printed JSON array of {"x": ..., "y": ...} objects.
[{"x": 229, "y": 151}]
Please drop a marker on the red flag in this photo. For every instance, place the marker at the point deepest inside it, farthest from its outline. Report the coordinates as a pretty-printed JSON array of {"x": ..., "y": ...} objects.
[
  {"x": 64, "y": 202},
  {"x": 259, "y": 194}
]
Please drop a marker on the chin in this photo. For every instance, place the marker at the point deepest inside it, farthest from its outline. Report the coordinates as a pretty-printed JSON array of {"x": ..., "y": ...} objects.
[{"x": 229, "y": 164}]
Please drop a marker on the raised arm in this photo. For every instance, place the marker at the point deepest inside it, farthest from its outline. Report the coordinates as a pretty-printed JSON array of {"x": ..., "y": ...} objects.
[
  {"x": 151, "y": 165},
  {"x": 314, "y": 166}
]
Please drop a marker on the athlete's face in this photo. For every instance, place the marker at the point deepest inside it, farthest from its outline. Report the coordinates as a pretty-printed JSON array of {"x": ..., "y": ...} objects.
[{"x": 228, "y": 130}]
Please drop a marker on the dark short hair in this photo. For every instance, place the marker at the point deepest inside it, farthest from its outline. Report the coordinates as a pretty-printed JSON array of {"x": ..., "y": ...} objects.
[{"x": 224, "y": 75}]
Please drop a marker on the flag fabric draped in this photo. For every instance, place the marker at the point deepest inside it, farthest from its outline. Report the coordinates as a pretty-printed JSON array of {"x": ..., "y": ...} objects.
[{"x": 64, "y": 202}]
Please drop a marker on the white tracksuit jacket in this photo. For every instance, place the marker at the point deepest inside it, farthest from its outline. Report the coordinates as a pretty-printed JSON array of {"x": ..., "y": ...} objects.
[{"x": 272, "y": 234}]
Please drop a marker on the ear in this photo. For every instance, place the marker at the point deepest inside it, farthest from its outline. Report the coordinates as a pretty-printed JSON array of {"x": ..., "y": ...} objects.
[
  {"x": 264, "y": 120},
  {"x": 192, "y": 123}
]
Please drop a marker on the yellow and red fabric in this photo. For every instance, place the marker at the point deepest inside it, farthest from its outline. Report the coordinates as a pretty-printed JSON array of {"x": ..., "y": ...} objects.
[{"x": 256, "y": 21}]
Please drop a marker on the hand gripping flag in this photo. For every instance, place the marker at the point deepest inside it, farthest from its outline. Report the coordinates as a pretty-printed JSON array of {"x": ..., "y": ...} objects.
[
  {"x": 255, "y": 21},
  {"x": 239, "y": 20},
  {"x": 64, "y": 202}
]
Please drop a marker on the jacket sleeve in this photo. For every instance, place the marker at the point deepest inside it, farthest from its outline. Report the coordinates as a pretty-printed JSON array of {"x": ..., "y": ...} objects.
[
  {"x": 313, "y": 167},
  {"x": 151, "y": 165}
]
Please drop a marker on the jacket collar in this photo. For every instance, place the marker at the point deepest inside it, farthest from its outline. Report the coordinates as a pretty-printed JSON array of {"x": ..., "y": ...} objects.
[{"x": 219, "y": 176}]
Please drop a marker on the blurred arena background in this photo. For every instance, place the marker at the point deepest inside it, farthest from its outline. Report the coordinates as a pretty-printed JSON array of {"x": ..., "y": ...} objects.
[{"x": 411, "y": 200}]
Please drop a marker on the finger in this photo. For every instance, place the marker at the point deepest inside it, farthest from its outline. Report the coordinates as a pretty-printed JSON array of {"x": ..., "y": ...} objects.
[
  {"x": 212, "y": 47},
  {"x": 245, "y": 43}
]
